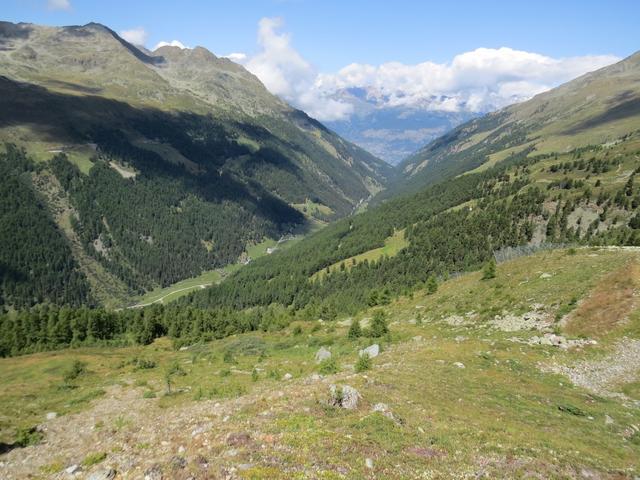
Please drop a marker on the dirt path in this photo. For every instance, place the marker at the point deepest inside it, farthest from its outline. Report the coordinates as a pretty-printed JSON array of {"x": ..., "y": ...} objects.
[{"x": 160, "y": 300}]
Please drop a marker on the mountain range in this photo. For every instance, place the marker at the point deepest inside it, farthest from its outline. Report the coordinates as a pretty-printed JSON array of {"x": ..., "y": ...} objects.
[
  {"x": 392, "y": 132},
  {"x": 596, "y": 108},
  {"x": 140, "y": 169},
  {"x": 169, "y": 163}
]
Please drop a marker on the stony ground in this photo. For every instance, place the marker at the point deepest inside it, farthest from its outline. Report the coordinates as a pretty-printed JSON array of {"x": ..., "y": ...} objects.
[
  {"x": 604, "y": 376},
  {"x": 204, "y": 440}
]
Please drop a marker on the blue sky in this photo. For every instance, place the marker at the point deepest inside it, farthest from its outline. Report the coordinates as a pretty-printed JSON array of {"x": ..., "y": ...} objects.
[{"x": 331, "y": 34}]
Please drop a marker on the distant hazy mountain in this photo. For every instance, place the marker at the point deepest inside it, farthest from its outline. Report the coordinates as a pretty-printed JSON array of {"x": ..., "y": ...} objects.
[
  {"x": 392, "y": 132},
  {"x": 596, "y": 108}
]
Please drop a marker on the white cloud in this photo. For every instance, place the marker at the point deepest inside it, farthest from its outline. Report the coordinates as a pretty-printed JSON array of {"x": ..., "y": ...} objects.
[
  {"x": 284, "y": 72},
  {"x": 172, "y": 43},
  {"x": 236, "y": 57},
  {"x": 481, "y": 80},
  {"x": 136, "y": 36},
  {"x": 59, "y": 4},
  {"x": 478, "y": 81}
]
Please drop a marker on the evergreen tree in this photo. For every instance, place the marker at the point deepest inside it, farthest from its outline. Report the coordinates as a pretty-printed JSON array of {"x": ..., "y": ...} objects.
[
  {"x": 489, "y": 270},
  {"x": 379, "y": 326},
  {"x": 354, "y": 330},
  {"x": 432, "y": 285}
]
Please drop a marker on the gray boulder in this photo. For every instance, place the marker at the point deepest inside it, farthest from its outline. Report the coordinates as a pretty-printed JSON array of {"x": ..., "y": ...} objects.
[
  {"x": 372, "y": 351},
  {"x": 344, "y": 396},
  {"x": 385, "y": 411},
  {"x": 322, "y": 354},
  {"x": 103, "y": 474},
  {"x": 316, "y": 377}
]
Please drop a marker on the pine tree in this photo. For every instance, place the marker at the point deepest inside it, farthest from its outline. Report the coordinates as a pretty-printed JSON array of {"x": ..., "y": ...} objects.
[
  {"x": 489, "y": 270},
  {"x": 354, "y": 330},
  {"x": 379, "y": 326},
  {"x": 432, "y": 285}
]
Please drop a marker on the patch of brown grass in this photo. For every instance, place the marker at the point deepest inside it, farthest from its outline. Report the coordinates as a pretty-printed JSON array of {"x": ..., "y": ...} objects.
[{"x": 608, "y": 305}]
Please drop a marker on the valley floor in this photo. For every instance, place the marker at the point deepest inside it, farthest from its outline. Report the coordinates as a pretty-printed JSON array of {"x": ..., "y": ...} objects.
[{"x": 532, "y": 374}]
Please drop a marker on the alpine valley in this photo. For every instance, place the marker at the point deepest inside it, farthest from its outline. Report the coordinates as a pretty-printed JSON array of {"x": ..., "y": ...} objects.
[{"x": 199, "y": 281}]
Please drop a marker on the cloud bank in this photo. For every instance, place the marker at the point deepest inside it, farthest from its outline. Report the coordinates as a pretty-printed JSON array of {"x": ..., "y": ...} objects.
[
  {"x": 135, "y": 36},
  {"x": 477, "y": 81},
  {"x": 482, "y": 80}
]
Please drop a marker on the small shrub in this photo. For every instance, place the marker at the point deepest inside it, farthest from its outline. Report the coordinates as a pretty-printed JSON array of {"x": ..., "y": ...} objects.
[
  {"x": 297, "y": 330},
  {"x": 121, "y": 422},
  {"x": 52, "y": 468},
  {"x": 28, "y": 436},
  {"x": 144, "y": 364},
  {"x": 76, "y": 369},
  {"x": 275, "y": 374},
  {"x": 573, "y": 410},
  {"x": 225, "y": 373},
  {"x": 363, "y": 364},
  {"x": 176, "y": 369},
  {"x": 93, "y": 459},
  {"x": 149, "y": 394},
  {"x": 228, "y": 357},
  {"x": 328, "y": 366},
  {"x": 254, "y": 375}
]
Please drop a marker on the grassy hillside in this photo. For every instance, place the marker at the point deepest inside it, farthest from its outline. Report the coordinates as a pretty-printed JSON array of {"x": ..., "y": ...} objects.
[
  {"x": 182, "y": 158},
  {"x": 466, "y": 385},
  {"x": 586, "y": 196},
  {"x": 595, "y": 109}
]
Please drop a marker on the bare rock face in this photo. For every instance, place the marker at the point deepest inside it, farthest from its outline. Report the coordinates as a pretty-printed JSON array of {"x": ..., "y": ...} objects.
[
  {"x": 344, "y": 396},
  {"x": 322, "y": 354}
]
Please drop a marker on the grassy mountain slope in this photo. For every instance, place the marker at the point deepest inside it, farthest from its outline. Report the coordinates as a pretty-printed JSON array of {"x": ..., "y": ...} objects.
[
  {"x": 176, "y": 160},
  {"x": 587, "y": 196},
  {"x": 597, "y": 108},
  {"x": 466, "y": 387}
]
